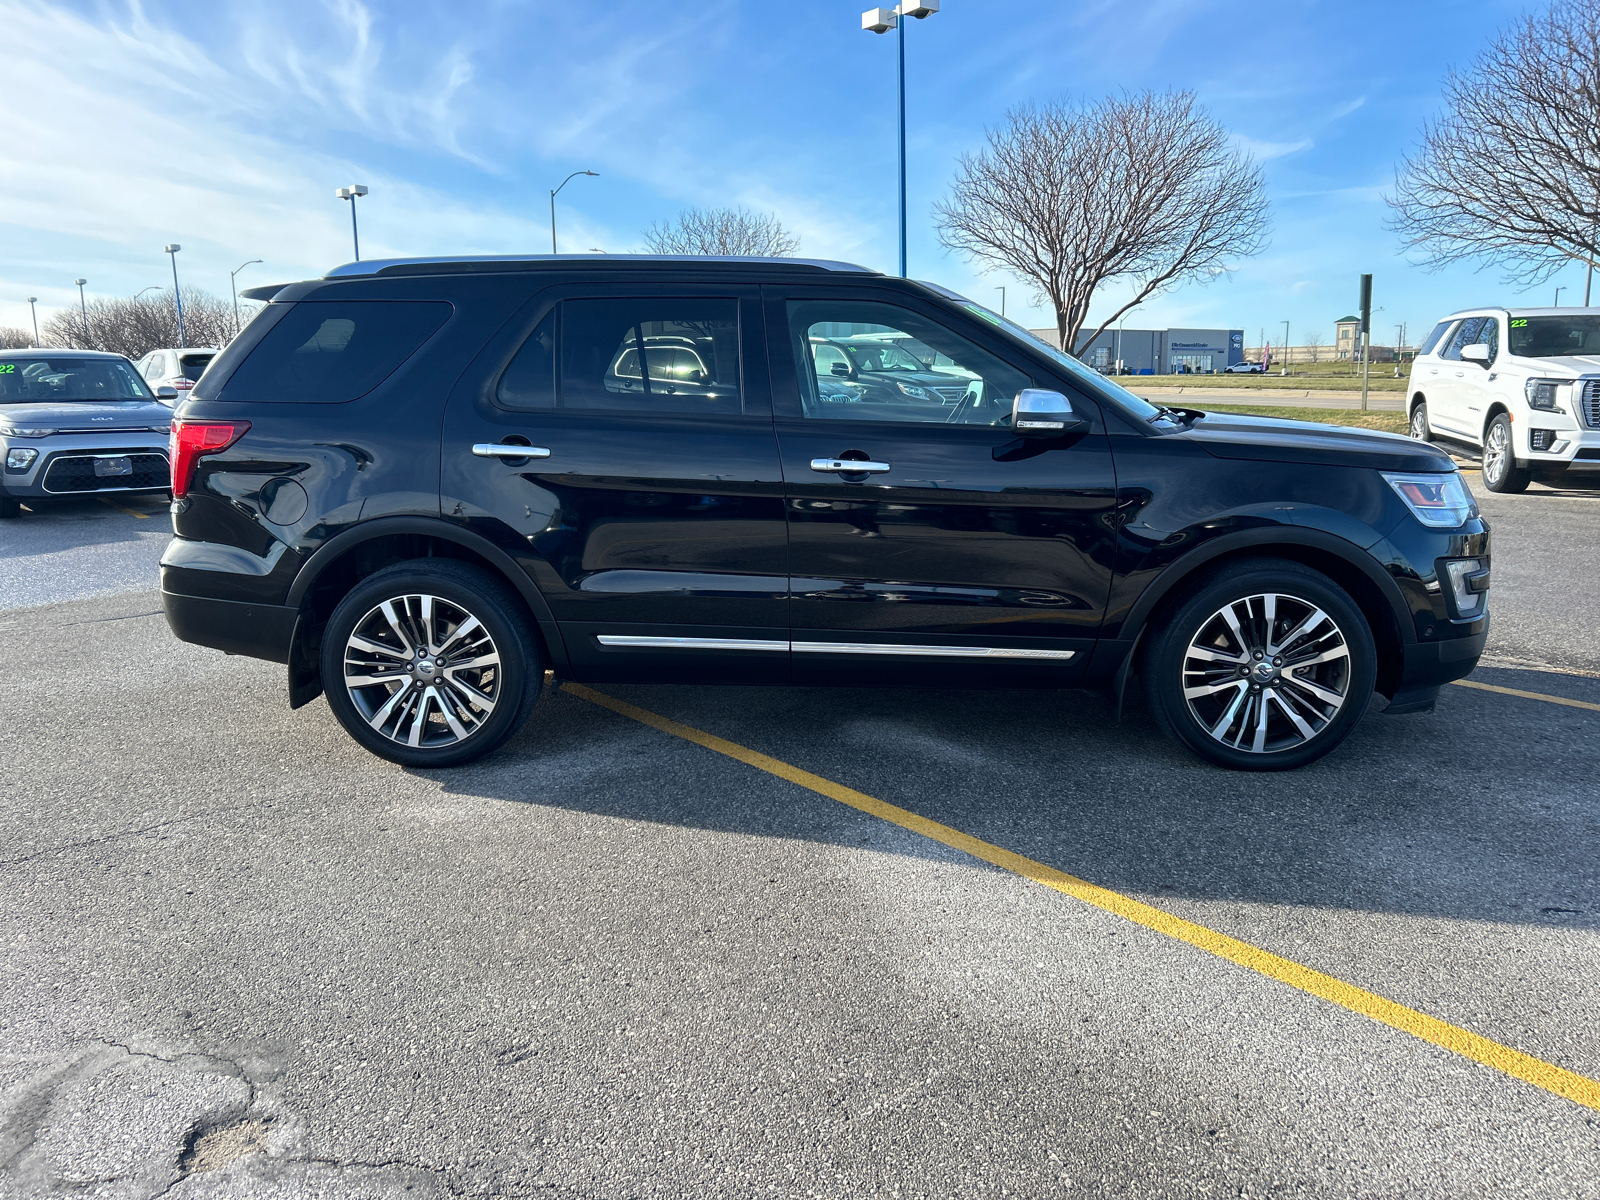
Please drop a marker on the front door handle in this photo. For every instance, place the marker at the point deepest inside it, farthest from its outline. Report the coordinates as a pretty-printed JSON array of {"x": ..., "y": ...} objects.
[
  {"x": 502, "y": 450},
  {"x": 849, "y": 466}
]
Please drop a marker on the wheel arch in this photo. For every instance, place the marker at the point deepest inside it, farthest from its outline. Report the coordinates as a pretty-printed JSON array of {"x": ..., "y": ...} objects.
[
  {"x": 1374, "y": 592},
  {"x": 353, "y": 555},
  {"x": 1494, "y": 410}
]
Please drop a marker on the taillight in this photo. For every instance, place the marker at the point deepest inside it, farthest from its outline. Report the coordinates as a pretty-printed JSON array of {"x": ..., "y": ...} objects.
[
  {"x": 192, "y": 439},
  {"x": 183, "y": 385}
]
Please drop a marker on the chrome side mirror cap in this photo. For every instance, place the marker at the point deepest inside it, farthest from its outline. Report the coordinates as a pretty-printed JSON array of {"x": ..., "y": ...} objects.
[
  {"x": 1478, "y": 353},
  {"x": 1037, "y": 412}
]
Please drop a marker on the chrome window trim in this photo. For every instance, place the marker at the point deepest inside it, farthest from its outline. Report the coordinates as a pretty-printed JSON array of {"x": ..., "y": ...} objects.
[{"x": 632, "y": 642}]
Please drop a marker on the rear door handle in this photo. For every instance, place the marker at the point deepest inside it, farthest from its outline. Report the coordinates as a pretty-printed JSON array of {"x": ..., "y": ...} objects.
[
  {"x": 849, "y": 466},
  {"x": 501, "y": 450}
]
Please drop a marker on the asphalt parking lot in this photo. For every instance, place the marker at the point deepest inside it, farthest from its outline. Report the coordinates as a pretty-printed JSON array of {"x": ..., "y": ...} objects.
[{"x": 625, "y": 959}]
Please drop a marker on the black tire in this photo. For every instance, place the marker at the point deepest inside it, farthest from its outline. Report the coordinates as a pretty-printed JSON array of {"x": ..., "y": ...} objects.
[
  {"x": 10, "y": 507},
  {"x": 431, "y": 600},
  {"x": 1195, "y": 650},
  {"x": 1420, "y": 429},
  {"x": 1501, "y": 470}
]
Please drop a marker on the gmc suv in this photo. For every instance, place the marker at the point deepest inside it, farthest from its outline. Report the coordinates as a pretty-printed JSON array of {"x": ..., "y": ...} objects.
[{"x": 421, "y": 483}]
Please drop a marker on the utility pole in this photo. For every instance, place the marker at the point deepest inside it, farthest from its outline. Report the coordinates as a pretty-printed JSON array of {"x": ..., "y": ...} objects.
[{"x": 1366, "y": 336}]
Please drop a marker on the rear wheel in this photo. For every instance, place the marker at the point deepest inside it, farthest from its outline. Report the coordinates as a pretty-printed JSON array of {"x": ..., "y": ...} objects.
[
  {"x": 1267, "y": 667},
  {"x": 1501, "y": 471},
  {"x": 430, "y": 663},
  {"x": 1419, "y": 422}
]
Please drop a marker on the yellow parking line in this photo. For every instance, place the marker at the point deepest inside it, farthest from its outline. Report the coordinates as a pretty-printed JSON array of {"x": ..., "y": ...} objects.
[
  {"x": 121, "y": 509},
  {"x": 1505, "y": 691},
  {"x": 1551, "y": 1078}
]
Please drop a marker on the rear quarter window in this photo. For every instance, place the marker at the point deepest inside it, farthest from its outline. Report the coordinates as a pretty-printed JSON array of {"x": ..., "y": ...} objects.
[
  {"x": 332, "y": 351},
  {"x": 1432, "y": 341}
]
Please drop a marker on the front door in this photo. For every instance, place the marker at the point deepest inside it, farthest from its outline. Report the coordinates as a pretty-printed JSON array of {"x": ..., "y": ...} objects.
[
  {"x": 654, "y": 524},
  {"x": 955, "y": 543},
  {"x": 1449, "y": 395}
]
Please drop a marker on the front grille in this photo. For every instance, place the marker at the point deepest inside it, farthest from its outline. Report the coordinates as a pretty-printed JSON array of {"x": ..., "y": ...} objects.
[
  {"x": 950, "y": 395},
  {"x": 120, "y": 431},
  {"x": 75, "y": 473},
  {"x": 1589, "y": 403}
]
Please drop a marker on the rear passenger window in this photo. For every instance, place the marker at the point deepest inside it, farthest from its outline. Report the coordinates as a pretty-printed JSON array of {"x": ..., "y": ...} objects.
[
  {"x": 330, "y": 351},
  {"x": 642, "y": 354},
  {"x": 1433, "y": 338}
]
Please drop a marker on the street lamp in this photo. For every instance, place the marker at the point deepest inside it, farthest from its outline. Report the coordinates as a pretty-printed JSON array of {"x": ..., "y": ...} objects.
[
  {"x": 1285, "y": 347},
  {"x": 1559, "y": 290},
  {"x": 1002, "y": 292},
  {"x": 154, "y": 287},
  {"x": 84, "y": 309},
  {"x": 881, "y": 20},
  {"x": 553, "y": 195},
  {"x": 233, "y": 287},
  {"x": 171, "y": 249},
  {"x": 32, "y": 300},
  {"x": 349, "y": 193}
]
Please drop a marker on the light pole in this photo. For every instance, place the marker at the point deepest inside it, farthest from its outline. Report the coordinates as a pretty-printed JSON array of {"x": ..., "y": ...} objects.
[
  {"x": 554, "y": 192},
  {"x": 1559, "y": 290},
  {"x": 233, "y": 287},
  {"x": 1285, "y": 367},
  {"x": 32, "y": 300},
  {"x": 84, "y": 309},
  {"x": 171, "y": 249},
  {"x": 351, "y": 193},
  {"x": 1002, "y": 292},
  {"x": 881, "y": 20}
]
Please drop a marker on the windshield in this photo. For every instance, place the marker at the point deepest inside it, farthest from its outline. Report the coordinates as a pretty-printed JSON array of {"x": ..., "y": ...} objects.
[
  {"x": 194, "y": 365},
  {"x": 1095, "y": 382},
  {"x": 46, "y": 380},
  {"x": 1552, "y": 337}
]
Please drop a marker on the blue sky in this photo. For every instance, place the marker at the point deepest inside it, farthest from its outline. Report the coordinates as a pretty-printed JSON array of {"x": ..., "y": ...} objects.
[{"x": 226, "y": 126}]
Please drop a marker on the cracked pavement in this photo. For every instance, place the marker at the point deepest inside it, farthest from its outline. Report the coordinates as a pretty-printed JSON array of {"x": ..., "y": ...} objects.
[{"x": 244, "y": 959}]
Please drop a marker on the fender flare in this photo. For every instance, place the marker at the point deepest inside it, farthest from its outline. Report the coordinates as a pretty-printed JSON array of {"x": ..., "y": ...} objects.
[
  {"x": 502, "y": 562},
  {"x": 1265, "y": 539}
]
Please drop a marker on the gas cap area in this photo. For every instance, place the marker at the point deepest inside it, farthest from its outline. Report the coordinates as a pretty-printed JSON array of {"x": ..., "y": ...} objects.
[{"x": 283, "y": 501}]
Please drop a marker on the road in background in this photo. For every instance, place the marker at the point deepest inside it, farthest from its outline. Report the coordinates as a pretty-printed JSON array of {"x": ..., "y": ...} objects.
[{"x": 75, "y": 549}]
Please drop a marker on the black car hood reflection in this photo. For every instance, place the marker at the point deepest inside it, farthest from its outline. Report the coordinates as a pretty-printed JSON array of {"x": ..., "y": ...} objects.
[
  {"x": 85, "y": 414},
  {"x": 1278, "y": 439}
]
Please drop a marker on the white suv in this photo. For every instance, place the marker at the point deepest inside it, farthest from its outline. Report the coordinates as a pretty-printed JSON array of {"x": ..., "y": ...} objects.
[{"x": 1521, "y": 383}]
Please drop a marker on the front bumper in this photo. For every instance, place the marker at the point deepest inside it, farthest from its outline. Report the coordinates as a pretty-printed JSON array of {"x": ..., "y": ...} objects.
[{"x": 64, "y": 466}]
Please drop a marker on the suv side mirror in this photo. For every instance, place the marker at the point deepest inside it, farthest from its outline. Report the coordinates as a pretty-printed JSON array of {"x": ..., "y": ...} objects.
[
  {"x": 1040, "y": 413},
  {"x": 1478, "y": 353},
  {"x": 166, "y": 392},
  {"x": 840, "y": 369}
]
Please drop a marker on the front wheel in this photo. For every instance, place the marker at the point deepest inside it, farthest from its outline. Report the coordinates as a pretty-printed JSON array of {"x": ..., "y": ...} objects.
[
  {"x": 430, "y": 663},
  {"x": 1267, "y": 667},
  {"x": 1419, "y": 422},
  {"x": 1501, "y": 471}
]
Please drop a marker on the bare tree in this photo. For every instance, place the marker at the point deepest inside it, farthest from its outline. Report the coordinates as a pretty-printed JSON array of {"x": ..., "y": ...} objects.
[
  {"x": 136, "y": 325},
  {"x": 1314, "y": 345},
  {"x": 1145, "y": 187},
  {"x": 1510, "y": 175},
  {"x": 722, "y": 231},
  {"x": 12, "y": 338}
]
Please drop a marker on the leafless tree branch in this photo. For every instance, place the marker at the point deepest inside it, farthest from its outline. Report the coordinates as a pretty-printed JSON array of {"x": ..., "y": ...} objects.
[
  {"x": 722, "y": 231},
  {"x": 137, "y": 325}
]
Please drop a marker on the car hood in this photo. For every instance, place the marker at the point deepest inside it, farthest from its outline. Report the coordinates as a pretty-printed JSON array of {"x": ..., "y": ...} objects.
[
  {"x": 1276, "y": 439},
  {"x": 86, "y": 414},
  {"x": 1567, "y": 364}
]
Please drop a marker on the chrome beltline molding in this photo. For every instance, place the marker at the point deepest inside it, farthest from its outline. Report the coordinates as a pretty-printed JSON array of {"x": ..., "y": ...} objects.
[{"x": 624, "y": 641}]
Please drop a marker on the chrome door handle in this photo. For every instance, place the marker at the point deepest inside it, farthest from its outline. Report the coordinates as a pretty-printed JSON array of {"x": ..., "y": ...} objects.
[
  {"x": 501, "y": 450},
  {"x": 849, "y": 466}
]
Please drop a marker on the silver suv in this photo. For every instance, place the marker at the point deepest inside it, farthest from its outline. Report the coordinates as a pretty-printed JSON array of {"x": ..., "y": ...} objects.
[
  {"x": 1521, "y": 384},
  {"x": 75, "y": 422}
]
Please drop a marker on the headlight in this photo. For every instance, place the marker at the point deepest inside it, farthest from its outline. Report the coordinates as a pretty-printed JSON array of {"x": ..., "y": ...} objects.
[
  {"x": 20, "y": 458},
  {"x": 14, "y": 431},
  {"x": 912, "y": 390},
  {"x": 1438, "y": 501},
  {"x": 1469, "y": 585},
  {"x": 1541, "y": 393}
]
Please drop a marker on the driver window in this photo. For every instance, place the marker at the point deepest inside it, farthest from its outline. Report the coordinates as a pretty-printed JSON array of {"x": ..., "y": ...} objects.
[
  {"x": 867, "y": 361},
  {"x": 1466, "y": 335}
]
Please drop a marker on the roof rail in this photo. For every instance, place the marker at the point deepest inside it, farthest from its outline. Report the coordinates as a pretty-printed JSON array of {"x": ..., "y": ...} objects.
[{"x": 529, "y": 262}]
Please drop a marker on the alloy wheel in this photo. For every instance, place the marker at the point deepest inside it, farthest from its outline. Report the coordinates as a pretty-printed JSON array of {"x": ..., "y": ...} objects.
[
  {"x": 422, "y": 671},
  {"x": 1419, "y": 423},
  {"x": 1496, "y": 453},
  {"x": 1267, "y": 673}
]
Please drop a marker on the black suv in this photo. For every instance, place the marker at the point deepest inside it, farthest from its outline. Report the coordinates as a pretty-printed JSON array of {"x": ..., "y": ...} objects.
[{"x": 422, "y": 483}]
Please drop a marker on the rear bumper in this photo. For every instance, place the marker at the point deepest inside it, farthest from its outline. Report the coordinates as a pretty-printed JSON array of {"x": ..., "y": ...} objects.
[{"x": 256, "y": 630}]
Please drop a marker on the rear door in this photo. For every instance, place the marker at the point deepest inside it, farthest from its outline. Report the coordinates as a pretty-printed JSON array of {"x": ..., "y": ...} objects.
[
  {"x": 654, "y": 525},
  {"x": 958, "y": 554}
]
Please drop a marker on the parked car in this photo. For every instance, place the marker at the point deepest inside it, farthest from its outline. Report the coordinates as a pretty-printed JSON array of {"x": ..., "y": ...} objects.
[
  {"x": 414, "y": 483},
  {"x": 1244, "y": 368},
  {"x": 1520, "y": 384},
  {"x": 75, "y": 422},
  {"x": 886, "y": 372},
  {"x": 179, "y": 369}
]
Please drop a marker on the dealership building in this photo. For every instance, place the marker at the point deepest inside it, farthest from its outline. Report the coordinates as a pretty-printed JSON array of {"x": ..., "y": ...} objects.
[{"x": 1159, "y": 351}]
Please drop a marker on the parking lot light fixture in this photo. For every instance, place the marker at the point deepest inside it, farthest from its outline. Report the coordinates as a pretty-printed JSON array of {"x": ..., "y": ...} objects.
[
  {"x": 556, "y": 191},
  {"x": 351, "y": 193},
  {"x": 33, "y": 300},
  {"x": 234, "y": 288},
  {"x": 881, "y": 20},
  {"x": 171, "y": 249},
  {"x": 83, "y": 307}
]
